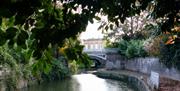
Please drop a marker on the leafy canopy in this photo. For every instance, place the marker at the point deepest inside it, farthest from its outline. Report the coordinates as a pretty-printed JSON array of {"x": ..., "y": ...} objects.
[{"x": 52, "y": 22}]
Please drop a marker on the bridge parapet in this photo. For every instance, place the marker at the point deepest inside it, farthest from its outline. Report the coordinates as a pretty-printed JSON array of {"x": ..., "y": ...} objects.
[
  {"x": 104, "y": 50},
  {"x": 111, "y": 50},
  {"x": 108, "y": 53}
]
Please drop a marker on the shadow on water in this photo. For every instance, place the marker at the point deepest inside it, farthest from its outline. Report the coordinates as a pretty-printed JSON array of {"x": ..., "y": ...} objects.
[{"x": 82, "y": 82}]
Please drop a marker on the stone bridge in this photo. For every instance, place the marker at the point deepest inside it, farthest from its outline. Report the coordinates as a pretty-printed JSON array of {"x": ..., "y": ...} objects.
[{"x": 101, "y": 56}]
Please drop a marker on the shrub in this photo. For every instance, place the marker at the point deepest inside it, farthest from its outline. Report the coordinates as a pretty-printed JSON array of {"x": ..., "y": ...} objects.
[
  {"x": 58, "y": 70},
  {"x": 153, "y": 46},
  {"x": 132, "y": 48},
  {"x": 170, "y": 54},
  {"x": 73, "y": 67}
]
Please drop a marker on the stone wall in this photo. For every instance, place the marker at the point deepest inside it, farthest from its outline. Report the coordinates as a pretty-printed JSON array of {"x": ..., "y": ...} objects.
[
  {"x": 113, "y": 56},
  {"x": 145, "y": 65},
  {"x": 137, "y": 83}
]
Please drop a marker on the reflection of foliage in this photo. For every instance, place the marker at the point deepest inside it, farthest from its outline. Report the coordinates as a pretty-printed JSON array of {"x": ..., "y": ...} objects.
[{"x": 132, "y": 48}]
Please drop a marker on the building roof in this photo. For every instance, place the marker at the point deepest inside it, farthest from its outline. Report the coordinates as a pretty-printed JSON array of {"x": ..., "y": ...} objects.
[{"x": 93, "y": 39}]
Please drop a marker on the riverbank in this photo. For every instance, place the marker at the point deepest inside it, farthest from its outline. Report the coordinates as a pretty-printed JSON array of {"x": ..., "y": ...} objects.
[
  {"x": 166, "y": 84},
  {"x": 137, "y": 79}
]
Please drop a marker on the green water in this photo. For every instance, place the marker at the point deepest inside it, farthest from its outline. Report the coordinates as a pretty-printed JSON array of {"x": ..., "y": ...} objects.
[{"x": 82, "y": 82}]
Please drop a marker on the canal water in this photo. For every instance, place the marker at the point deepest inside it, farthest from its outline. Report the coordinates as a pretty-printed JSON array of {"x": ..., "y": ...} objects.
[{"x": 82, "y": 82}]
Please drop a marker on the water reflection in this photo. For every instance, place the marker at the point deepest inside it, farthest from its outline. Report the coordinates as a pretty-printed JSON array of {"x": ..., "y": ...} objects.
[
  {"x": 89, "y": 82},
  {"x": 82, "y": 82}
]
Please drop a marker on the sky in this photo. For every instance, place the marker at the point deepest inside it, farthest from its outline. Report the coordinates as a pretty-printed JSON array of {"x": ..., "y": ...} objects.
[{"x": 92, "y": 31}]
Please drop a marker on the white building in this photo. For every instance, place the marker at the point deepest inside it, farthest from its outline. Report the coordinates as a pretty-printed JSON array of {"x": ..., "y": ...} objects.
[{"x": 93, "y": 44}]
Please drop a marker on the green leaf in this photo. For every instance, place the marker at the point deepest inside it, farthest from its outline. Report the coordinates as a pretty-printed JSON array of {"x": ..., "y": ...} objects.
[
  {"x": 11, "y": 21},
  {"x": 97, "y": 18}
]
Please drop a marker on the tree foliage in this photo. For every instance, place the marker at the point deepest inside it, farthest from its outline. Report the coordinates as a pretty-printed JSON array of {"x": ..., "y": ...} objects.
[
  {"x": 53, "y": 18},
  {"x": 166, "y": 12},
  {"x": 50, "y": 22},
  {"x": 132, "y": 48},
  {"x": 72, "y": 50}
]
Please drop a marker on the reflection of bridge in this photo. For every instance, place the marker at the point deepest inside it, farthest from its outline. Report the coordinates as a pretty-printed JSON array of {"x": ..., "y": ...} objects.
[{"x": 101, "y": 56}]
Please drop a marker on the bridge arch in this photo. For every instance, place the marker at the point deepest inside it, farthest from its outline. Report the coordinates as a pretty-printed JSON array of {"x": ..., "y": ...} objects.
[{"x": 99, "y": 61}]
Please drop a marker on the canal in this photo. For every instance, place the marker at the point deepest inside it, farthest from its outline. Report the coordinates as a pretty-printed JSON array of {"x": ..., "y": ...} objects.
[{"x": 82, "y": 82}]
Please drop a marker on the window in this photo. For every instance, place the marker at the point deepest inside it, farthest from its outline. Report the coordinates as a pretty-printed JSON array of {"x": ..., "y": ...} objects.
[
  {"x": 91, "y": 47},
  {"x": 86, "y": 46},
  {"x": 96, "y": 46}
]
